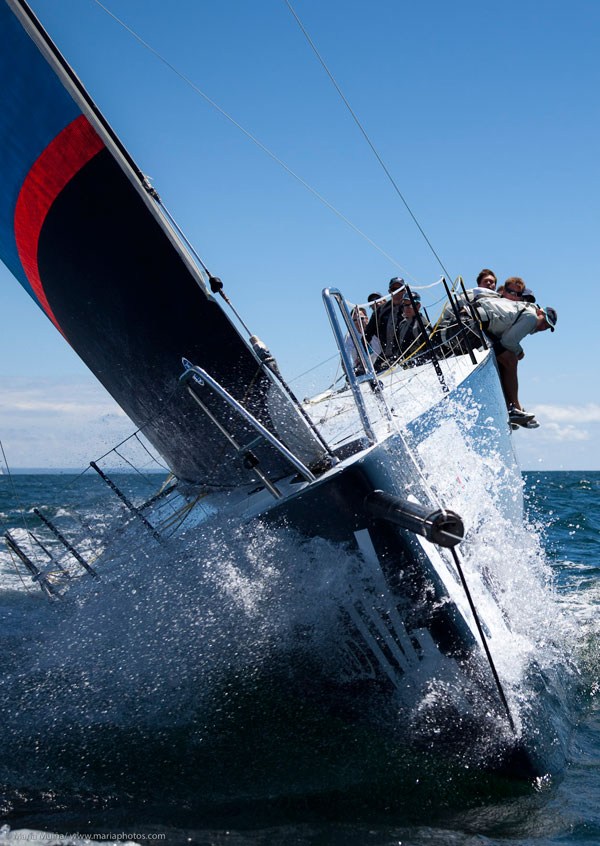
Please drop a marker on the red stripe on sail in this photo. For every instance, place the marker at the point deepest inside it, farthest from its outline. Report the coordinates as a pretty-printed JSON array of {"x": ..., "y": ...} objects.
[{"x": 62, "y": 159}]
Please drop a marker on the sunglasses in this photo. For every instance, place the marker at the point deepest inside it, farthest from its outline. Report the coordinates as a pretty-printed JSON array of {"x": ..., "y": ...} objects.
[{"x": 511, "y": 291}]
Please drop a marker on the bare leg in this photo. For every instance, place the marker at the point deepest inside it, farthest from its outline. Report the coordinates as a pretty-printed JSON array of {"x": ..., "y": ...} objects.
[{"x": 507, "y": 365}]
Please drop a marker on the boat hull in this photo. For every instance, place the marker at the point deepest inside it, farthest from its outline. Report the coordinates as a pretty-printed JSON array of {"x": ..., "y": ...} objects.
[{"x": 405, "y": 643}]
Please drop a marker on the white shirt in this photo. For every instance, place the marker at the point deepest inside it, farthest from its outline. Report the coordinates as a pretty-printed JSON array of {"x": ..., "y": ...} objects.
[
  {"x": 474, "y": 295},
  {"x": 509, "y": 321}
]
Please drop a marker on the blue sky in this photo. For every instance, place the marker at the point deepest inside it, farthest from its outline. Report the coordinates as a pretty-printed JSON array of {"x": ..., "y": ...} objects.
[{"x": 486, "y": 115}]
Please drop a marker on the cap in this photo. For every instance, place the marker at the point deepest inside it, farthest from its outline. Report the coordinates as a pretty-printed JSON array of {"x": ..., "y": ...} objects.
[
  {"x": 551, "y": 316},
  {"x": 396, "y": 279},
  {"x": 528, "y": 296},
  {"x": 416, "y": 297},
  {"x": 375, "y": 296}
]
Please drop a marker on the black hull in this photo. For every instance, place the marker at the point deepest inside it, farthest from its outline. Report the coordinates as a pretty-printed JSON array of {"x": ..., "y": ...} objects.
[{"x": 404, "y": 637}]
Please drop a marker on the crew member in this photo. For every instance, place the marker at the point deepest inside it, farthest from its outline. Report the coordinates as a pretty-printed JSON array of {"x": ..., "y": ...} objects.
[
  {"x": 506, "y": 323},
  {"x": 384, "y": 323}
]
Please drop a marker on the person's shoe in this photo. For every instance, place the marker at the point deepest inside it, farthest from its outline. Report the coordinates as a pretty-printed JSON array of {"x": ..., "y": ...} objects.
[
  {"x": 531, "y": 424},
  {"x": 518, "y": 416}
]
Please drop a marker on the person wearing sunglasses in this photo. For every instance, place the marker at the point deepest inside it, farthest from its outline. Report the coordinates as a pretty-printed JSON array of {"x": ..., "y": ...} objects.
[
  {"x": 411, "y": 341},
  {"x": 512, "y": 289},
  {"x": 384, "y": 323}
]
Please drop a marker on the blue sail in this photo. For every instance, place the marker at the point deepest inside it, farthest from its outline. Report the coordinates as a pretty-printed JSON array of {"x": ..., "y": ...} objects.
[{"x": 87, "y": 239}]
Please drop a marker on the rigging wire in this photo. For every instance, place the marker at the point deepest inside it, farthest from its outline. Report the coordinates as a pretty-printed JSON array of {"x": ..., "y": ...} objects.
[
  {"x": 253, "y": 139},
  {"x": 367, "y": 139},
  {"x": 14, "y": 492},
  {"x": 483, "y": 638},
  {"x": 21, "y": 510},
  {"x": 153, "y": 457},
  {"x": 18, "y": 572},
  {"x": 315, "y": 367}
]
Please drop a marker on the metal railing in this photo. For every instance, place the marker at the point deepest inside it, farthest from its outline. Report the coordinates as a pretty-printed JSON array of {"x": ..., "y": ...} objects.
[
  {"x": 203, "y": 378},
  {"x": 331, "y": 297}
]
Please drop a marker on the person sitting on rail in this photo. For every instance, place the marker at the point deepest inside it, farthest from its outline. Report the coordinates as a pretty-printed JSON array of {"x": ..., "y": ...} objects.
[
  {"x": 373, "y": 349},
  {"x": 486, "y": 281},
  {"x": 411, "y": 340},
  {"x": 384, "y": 322},
  {"x": 448, "y": 332},
  {"x": 506, "y": 323},
  {"x": 486, "y": 287}
]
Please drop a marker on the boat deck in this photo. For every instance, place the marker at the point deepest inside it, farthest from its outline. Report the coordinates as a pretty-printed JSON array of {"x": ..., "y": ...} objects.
[{"x": 408, "y": 393}]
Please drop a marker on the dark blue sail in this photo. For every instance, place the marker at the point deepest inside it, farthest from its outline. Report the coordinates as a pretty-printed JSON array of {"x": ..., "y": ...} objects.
[{"x": 84, "y": 235}]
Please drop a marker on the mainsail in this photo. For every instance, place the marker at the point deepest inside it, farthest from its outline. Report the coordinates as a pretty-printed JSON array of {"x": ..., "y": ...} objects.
[{"x": 84, "y": 235}]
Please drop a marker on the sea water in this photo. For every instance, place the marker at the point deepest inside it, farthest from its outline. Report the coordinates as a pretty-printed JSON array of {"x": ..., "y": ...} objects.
[{"x": 149, "y": 709}]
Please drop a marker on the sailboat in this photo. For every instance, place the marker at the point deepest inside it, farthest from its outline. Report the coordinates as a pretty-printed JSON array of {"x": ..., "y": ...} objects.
[{"x": 86, "y": 235}]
